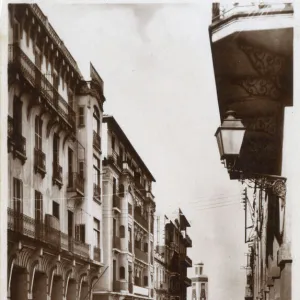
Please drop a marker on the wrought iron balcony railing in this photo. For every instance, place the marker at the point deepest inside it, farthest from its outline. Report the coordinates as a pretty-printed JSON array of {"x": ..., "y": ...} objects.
[
  {"x": 19, "y": 61},
  {"x": 57, "y": 174},
  {"x": 187, "y": 281},
  {"x": 22, "y": 224},
  {"x": 115, "y": 159},
  {"x": 141, "y": 220},
  {"x": 188, "y": 241},
  {"x": 139, "y": 254},
  {"x": 119, "y": 286},
  {"x": 76, "y": 183},
  {"x": 39, "y": 161},
  {"x": 117, "y": 242},
  {"x": 10, "y": 127},
  {"x": 96, "y": 141},
  {"x": 97, "y": 192},
  {"x": 116, "y": 202}
]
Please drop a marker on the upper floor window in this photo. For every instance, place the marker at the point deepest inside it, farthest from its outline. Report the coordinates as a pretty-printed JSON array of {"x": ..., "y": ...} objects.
[
  {"x": 18, "y": 195},
  {"x": 96, "y": 120},
  {"x": 55, "y": 209},
  {"x": 81, "y": 116},
  {"x": 55, "y": 149},
  {"x": 97, "y": 233},
  {"x": 17, "y": 116},
  {"x": 96, "y": 171},
  {"x": 113, "y": 142},
  {"x": 38, "y": 132},
  {"x": 38, "y": 206},
  {"x": 122, "y": 273},
  {"x": 16, "y": 31}
]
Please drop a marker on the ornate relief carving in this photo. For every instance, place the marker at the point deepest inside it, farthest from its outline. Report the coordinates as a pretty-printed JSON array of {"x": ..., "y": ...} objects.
[
  {"x": 262, "y": 124},
  {"x": 265, "y": 63},
  {"x": 263, "y": 87}
]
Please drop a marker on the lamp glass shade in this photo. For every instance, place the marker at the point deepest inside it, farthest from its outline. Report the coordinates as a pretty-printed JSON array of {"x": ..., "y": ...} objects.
[{"x": 230, "y": 137}]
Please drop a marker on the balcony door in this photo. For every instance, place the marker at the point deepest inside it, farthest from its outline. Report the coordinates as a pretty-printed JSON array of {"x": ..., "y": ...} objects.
[
  {"x": 70, "y": 167},
  {"x": 38, "y": 213},
  {"x": 18, "y": 204},
  {"x": 114, "y": 271}
]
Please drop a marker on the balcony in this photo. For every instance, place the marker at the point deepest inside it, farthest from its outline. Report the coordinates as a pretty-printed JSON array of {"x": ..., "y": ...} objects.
[
  {"x": 57, "y": 174},
  {"x": 39, "y": 162},
  {"x": 140, "y": 290},
  {"x": 116, "y": 160},
  {"x": 139, "y": 254},
  {"x": 10, "y": 132},
  {"x": 127, "y": 168},
  {"x": 97, "y": 192},
  {"x": 97, "y": 254},
  {"x": 96, "y": 141},
  {"x": 23, "y": 225},
  {"x": 116, "y": 202},
  {"x": 76, "y": 183},
  {"x": 187, "y": 281},
  {"x": 188, "y": 241},
  {"x": 119, "y": 286},
  {"x": 117, "y": 242},
  {"x": 141, "y": 220},
  {"x": 20, "y": 64}
]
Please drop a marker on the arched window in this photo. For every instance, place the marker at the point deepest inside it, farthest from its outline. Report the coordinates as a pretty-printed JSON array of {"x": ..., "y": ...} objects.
[
  {"x": 122, "y": 273},
  {"x": 96, "y": 120},
  {"x": 122, "y": 231}
]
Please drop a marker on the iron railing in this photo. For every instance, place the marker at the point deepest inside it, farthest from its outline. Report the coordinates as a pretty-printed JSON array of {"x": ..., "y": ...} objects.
[
  {"x": 119, "y": 285},
  {"x": 116, "y": 202},
  {"x": 96, "y": 141},
  {"x": 10, "y": 127},
  {"x": 141, "y": 255},
  {"x": 17, "y": 58},
  {"x": 39, "y": 160},
  {"x": 141, "y": 220},
  {"x": 115, "y": 159},
  {"x": 22, "y": 224},
  {"x": 76, "y": 182}
]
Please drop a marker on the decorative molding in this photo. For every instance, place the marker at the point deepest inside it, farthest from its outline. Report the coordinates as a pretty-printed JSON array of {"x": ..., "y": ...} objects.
[{"x": 260, "y": 86}]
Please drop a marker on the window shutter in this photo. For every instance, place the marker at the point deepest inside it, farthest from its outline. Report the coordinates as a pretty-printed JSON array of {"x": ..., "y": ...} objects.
[
  {"x": 77, "y": 233},
  {"x": 82, "y": 233},
  {"x": 81, "y": 116}
]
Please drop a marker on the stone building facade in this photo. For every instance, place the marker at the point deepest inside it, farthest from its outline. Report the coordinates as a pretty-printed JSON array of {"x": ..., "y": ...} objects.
[
  {"x": 128, "y": 219},
  {"x": 54, "y": 197}
]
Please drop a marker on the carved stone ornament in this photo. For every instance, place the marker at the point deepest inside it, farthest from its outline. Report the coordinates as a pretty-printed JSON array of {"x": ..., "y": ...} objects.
[
  {"x": 261, "y": 86},
  {"x": 265, "y": 63},
  {"x": 262, "y": 124}
]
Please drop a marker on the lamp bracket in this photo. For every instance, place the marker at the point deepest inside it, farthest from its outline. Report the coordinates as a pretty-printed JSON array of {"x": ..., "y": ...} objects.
[{"x": 274, "y": 183}]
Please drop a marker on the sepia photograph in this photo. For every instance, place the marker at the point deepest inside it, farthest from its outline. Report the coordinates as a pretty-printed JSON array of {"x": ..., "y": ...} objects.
[{"x": 149, "y": 151}]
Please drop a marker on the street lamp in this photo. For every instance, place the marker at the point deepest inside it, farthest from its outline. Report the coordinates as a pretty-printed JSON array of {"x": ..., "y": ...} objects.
[{"x": 230, "y": 137}]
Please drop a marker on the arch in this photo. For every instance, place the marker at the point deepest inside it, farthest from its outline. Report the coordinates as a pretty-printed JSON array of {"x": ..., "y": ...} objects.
[
  {"x": 67, "y": 278},
  {"x": 50, "y": 278},
  {"x": 10, "y": 269},
  {"x": 32, "y": 270}
]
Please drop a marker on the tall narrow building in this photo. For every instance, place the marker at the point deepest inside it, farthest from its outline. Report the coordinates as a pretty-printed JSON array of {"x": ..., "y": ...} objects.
[
  {"x": 54, "y": 197},
  {"x": 199, "y": 284},
  {"x": 128, "y": 219}
]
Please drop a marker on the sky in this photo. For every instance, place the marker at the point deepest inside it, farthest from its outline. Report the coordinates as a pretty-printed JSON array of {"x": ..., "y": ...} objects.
[{"x": 155, "y": 60}]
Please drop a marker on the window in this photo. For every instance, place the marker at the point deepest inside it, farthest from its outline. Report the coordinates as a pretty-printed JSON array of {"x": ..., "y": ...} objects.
[
  {"x": 122, "y": 231},
  {"x": 38, "y": 207},
  {"x": 96, "y": 120},
  {"x": 55, "y": 209},
  {"x": 18, "y": 195},
  {"x": 96, "y": 171},
  {"x": 55, "y": 149},
  {"x": 129, "y": 208},
  {"x": 145, "y": 280},
  {"x": 80, "y": 232},
  {"x": 114, "y": 186},
  {"x": 81, "y": 169},
  {"x": 16, "y": 31},
  {"x": 81, "y": 116},
  {"x": 113, "y": 142},
  {"x": 122, "y": 273},
  {"x": 146, "y": 247},
  {"x": 17, "y": 115},
  {"x": 38, "y": 132},
  {"x": 70, "y": 166},
  {"x": 96, "y": 233},
  {"x": 129, "y": 235},
  {"x": 121, "y": 190}
]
